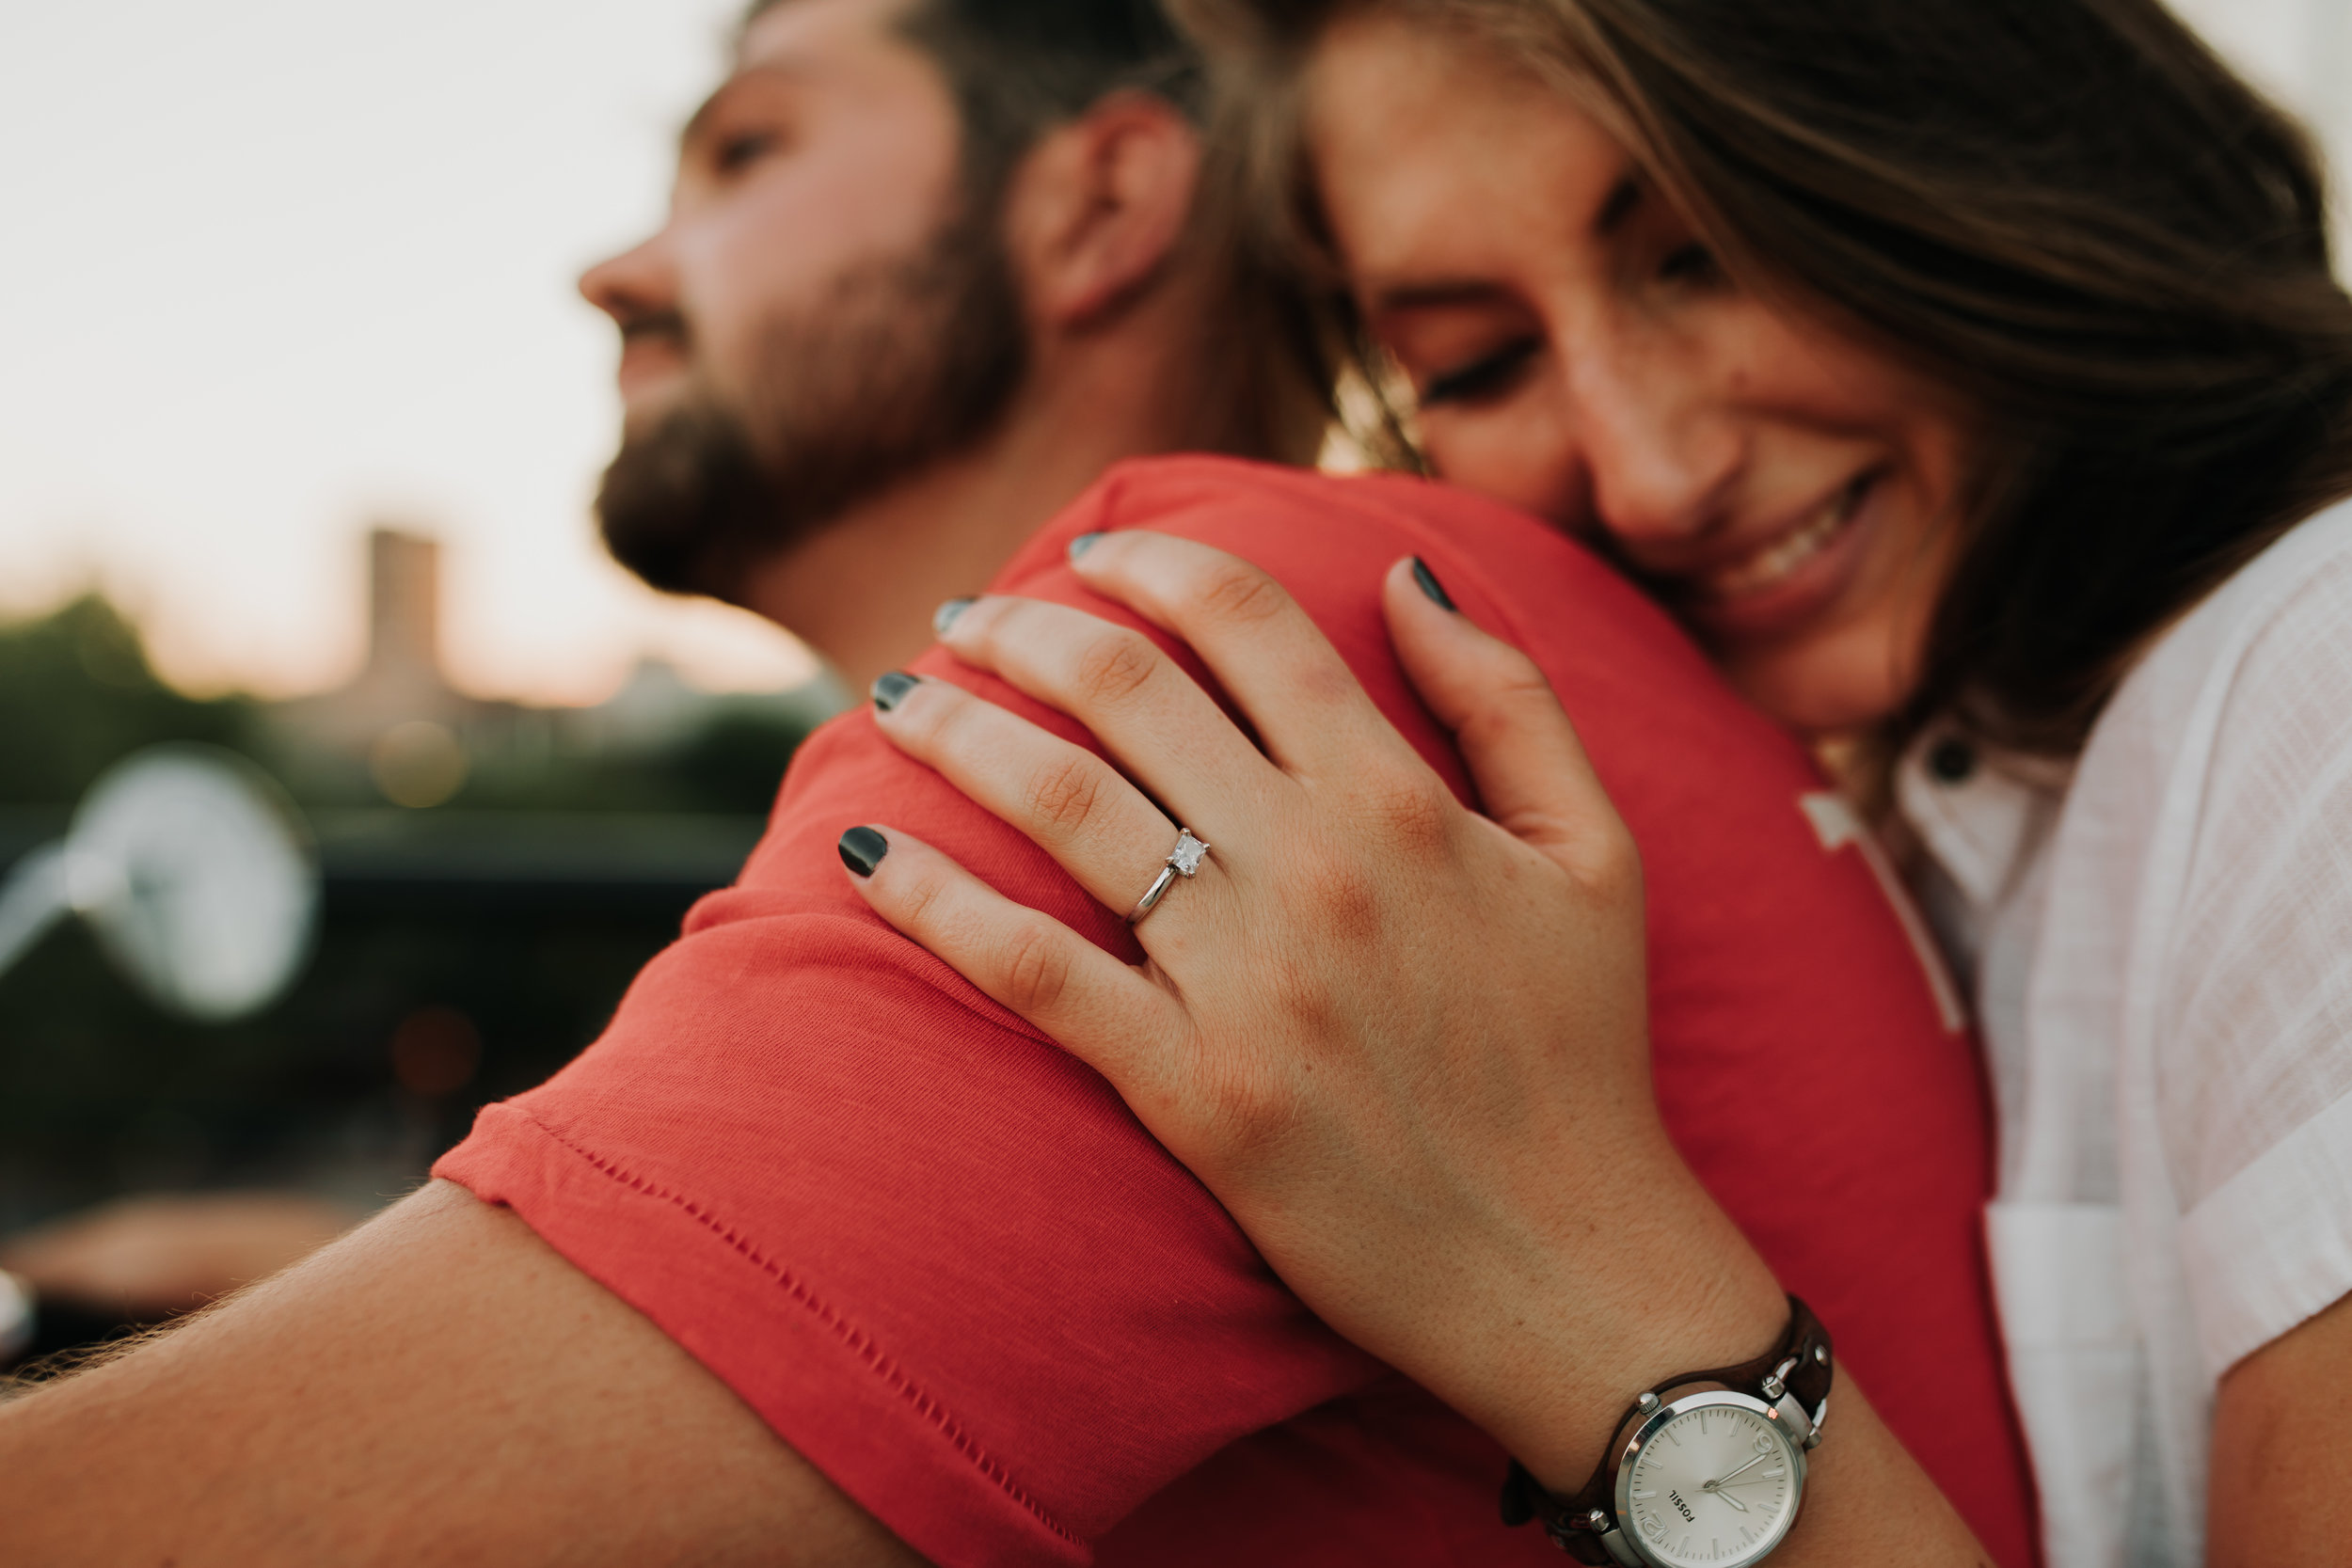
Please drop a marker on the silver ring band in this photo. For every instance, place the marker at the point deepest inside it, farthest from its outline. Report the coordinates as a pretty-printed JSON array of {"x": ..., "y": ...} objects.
[{"x": 1182, "y": 861}]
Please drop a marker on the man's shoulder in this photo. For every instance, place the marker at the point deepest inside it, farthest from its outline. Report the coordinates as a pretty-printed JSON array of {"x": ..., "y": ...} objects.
[
  {"x": 1649, "y": 705},
  {"x": 1330, "y": 537}
]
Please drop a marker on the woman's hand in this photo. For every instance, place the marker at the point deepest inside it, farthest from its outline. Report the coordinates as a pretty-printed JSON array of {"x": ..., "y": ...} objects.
[{"x": 1402, "y": 1042}]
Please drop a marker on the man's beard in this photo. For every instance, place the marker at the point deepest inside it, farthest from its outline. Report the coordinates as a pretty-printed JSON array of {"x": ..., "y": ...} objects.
[{"x": 903, "y": 363}]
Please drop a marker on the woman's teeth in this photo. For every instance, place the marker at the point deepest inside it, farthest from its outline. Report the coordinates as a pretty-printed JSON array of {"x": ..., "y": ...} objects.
[{"x": 1773, "y": 564}]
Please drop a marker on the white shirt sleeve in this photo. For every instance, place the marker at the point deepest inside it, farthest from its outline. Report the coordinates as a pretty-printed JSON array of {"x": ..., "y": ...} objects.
[{"x": 2253, "y": 1039}]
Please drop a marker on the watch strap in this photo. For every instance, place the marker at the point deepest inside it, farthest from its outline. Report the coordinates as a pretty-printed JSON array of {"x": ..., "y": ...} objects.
[{"x": 1800, "y": 1365}]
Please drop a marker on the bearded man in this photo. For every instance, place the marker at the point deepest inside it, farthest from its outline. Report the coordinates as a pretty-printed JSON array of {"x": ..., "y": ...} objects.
[{"x": 891, "y": 326}]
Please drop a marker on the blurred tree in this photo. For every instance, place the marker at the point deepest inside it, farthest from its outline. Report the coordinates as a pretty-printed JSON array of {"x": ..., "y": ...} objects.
[
  {"x": 467, "y": 950},
  {"x": 77, "y": 695}
]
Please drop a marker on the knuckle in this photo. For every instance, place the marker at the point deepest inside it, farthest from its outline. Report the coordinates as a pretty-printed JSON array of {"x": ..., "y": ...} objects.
[
  {"x": 1231, "y": 590},
  {"x": 1611, "y": 864},
  {"x": 1250, "y": 1107},
  {"x": 1310, "y": 1000},
  {"x": 1065, "y": 794},
  {"x": 1414, "y": 816},
  {"x": 1036, "y": 969},
  {"x": 1344, "y": 898},
  {"x": 919, "y": 898},
  {"x": 940, "y": 721},
  {"x": 1514, "y": 696},
  {"x": 1114, "y": 667}
]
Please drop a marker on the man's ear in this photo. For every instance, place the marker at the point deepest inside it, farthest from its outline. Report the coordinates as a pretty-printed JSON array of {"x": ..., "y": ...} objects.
[{"x": 1098, "y": 207}]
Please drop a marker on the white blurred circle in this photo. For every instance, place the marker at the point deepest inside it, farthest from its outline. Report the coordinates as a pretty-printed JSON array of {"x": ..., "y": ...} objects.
[
  {"x": 16, "y": 1316},
  {"x": 198, "y": 877}
]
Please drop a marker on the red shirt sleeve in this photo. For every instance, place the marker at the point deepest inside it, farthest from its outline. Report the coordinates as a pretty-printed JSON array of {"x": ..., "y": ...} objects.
[{"x": 941, "y": 1259}]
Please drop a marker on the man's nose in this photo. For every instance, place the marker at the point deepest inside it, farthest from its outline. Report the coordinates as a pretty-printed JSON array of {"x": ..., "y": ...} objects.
[
  {"x": 1660, "y": 457},
  {"x": 634, "y": 284}
]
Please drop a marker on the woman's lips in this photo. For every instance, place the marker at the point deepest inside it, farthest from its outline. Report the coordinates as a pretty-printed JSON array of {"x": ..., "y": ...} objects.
[{"x": 1789, "y": 579}]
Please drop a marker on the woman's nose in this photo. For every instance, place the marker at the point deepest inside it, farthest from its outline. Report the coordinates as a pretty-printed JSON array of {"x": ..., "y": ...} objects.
[{"x": 1659, "y": 459}]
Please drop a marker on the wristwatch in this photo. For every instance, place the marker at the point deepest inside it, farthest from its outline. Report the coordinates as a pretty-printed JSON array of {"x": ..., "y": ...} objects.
[{"x": 1712, "y": 1479}]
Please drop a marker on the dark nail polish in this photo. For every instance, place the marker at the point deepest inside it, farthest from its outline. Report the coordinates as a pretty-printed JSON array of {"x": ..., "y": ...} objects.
[
  {"x": 1081, "y": 544},
  {"x": 943, "y": 619},
  {"x": 862, "y": 849},
  {"x": 891, "y": 689},
  {"x": 1430, "y": 585}
]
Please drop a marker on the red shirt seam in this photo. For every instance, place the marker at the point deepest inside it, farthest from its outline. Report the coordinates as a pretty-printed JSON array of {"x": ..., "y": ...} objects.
[{"x": 855, "y": 1338}]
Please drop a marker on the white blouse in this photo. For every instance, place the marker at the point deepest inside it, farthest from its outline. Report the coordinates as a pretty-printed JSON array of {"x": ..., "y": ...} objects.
[{"x": 2161, "y": 953}]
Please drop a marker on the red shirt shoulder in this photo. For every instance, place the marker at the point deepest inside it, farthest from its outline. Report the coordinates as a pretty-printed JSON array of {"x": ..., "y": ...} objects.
[{"x": 943, "y": 1261}]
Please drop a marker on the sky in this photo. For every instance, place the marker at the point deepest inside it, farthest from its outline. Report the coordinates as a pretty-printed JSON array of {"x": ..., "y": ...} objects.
[{"x": 277, "y": 269}]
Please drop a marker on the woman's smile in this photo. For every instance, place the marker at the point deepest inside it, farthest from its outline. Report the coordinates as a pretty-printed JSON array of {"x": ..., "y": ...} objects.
[{"x": 1797, "y": 572}]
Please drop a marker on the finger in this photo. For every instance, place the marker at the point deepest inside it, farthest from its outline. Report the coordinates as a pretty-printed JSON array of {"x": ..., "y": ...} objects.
[
  {"x": 1073, "y": 805},
  {"x": 1097, "y": 1008},
  {"x": 1268, "y": 654},
  {"x": 1143, "y": 707},
  {"x": 1531, "y": 771}
]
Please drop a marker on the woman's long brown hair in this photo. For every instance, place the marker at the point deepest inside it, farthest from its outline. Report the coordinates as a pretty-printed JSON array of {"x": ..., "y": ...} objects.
[{"x": 2070, "y": 212}]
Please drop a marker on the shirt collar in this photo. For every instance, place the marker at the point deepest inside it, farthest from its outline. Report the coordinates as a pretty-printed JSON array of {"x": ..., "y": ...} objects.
[{"x": 1979, "y": 812}]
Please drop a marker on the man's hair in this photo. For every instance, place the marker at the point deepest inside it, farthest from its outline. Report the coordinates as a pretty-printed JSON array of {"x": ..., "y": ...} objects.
[{"x": 1019, "y": 68}]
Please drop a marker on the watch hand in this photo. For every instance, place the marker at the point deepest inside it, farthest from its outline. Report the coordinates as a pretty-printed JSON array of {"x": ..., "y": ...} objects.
[
  {"x": 1727, "y": 1497},
  {"x": 1749, "y": 1466}
]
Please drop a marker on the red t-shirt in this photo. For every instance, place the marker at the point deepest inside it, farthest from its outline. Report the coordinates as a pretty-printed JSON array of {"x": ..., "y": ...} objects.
[{"x": 939, "y": 1256}]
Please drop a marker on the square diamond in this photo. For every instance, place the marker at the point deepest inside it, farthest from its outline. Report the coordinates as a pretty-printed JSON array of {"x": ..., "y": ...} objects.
[{"x": 1188, "y": 854}]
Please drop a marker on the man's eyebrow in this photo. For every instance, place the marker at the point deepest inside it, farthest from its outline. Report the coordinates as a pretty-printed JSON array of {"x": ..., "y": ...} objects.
[
  {"x": 699, "y": 121},
  {"x": 698, "y": 125}
]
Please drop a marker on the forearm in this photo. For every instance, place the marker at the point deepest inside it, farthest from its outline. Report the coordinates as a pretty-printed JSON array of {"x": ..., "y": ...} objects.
[
  {"x": 1682, "y": 1288},
  {"x": 439, "y": 1386}
]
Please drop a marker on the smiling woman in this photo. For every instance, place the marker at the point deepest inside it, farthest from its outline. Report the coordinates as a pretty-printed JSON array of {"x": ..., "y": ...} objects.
[
  {"x": 1880, "y": 374},
  {"x": 1788, "y": 489},
  {"x": 1970, "y": 377}
]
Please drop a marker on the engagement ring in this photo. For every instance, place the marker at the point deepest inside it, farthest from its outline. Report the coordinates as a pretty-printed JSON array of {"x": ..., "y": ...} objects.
[{"x": 1182, "y": 861}]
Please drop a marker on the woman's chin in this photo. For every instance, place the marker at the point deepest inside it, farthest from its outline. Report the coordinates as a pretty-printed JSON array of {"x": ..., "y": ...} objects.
[{"x": 1833, "y": 683}]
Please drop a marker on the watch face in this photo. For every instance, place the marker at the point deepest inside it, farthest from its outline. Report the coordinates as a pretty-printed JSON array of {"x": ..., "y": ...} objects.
[{"x": 1714, "y": 1481}]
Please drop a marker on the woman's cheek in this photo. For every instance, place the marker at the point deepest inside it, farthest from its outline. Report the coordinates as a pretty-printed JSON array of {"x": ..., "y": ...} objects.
[{"x": 1517, "y": 456}]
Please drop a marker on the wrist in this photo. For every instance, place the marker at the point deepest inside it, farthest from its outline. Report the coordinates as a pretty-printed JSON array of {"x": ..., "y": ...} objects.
[{"x": 1667, "y": 1283}]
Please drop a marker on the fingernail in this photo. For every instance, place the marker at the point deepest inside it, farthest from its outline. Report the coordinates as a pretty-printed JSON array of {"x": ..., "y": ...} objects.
[
  {"x": 1430, "y": 585},
  {"x": 1081, "y": 544},
  {"x": 891, "y": 689},
  {"x": 862, "y": 849},
  {"x": 943, "y": 619}
]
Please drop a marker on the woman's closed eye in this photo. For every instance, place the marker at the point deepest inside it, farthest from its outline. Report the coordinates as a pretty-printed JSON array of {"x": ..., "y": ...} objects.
[
  {"x": 1488, "y": 375},
  {"x": 1693, "y": 265}
]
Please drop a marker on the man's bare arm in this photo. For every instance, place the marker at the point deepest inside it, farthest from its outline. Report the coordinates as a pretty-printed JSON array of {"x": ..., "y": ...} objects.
[{"x": 439, "y": 1386}]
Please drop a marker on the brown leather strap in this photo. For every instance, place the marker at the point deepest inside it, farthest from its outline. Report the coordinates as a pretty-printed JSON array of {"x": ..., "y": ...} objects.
[{"x": 1801, "y": 1363}]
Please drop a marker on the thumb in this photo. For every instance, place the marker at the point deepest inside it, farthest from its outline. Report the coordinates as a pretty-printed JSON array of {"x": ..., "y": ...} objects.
[{"x": 1523, "y": 755}]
